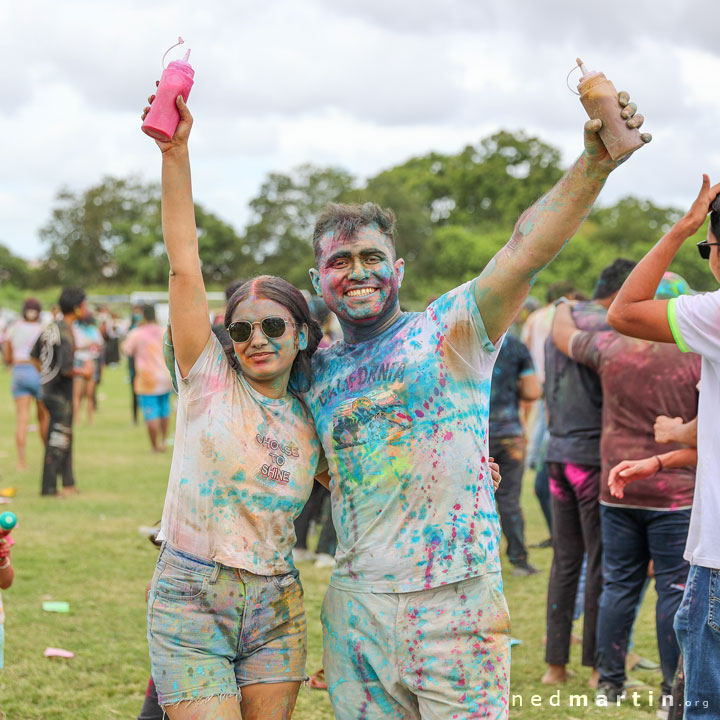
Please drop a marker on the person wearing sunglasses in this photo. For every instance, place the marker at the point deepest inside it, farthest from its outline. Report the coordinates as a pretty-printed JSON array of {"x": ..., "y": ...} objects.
[
  {"x": 226, "y": 623},
  {"x": 693, "y": 323}
]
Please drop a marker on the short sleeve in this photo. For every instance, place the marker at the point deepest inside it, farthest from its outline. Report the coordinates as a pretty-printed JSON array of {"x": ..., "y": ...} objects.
[
  {"x": 65, "y": 356},
  {"x": 458, "y": 315},
  {"x": 695, "y": 323},
  {"x": 526, "y": 366},
  {"x": 211, "y": 372},
  {"x": 584, "y": 348},
  {"x": 128, "y": 346}
]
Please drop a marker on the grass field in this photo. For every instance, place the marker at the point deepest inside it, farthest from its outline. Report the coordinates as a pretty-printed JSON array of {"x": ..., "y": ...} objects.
[{"x": 86, "y": 550}]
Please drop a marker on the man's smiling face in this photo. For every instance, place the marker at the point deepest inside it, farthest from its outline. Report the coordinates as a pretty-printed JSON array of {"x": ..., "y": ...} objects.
[{"x": 358, "y": 277}]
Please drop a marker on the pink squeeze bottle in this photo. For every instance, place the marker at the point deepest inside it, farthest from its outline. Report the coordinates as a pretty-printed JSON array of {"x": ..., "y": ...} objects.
[{"x": 163, "y": 118}]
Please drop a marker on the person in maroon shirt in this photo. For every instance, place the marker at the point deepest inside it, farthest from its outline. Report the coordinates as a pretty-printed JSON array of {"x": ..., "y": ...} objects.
[{"x": 640, "y": 380}]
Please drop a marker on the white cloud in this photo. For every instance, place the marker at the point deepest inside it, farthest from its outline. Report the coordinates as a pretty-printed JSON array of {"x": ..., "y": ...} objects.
[{"x": 364, "y": 85}]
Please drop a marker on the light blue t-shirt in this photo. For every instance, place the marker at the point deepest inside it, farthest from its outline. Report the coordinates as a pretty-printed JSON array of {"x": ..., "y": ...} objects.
[{"x": 403, "y": 422}]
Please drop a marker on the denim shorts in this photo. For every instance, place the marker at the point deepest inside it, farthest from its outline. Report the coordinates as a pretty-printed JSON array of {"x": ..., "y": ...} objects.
[
  {"x": 154, "y": 407},
  {"x": 213, "y": 629},
  {"x": 25, "y": 381}
]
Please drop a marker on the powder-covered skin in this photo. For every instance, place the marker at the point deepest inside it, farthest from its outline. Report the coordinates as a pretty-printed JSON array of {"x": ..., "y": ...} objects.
[
  {"x": 640, "y": 381},
  {"x": 403, "y": 421},
  {"x": 242, "y": 469}
]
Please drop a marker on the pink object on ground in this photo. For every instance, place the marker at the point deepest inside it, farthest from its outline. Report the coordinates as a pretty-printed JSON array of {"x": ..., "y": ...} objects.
[
  {"x": 58, "y": 652},
  {"x": 163, "y": 118}
]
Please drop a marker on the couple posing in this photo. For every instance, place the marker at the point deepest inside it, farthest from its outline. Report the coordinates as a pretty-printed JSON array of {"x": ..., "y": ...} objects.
[{"x": 393, "y": 419}]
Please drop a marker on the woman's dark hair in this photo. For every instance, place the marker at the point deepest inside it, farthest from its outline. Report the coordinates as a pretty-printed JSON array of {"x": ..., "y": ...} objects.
[
  {"x": 31, "y": 304},
  {"x": 282, "y": 292}
]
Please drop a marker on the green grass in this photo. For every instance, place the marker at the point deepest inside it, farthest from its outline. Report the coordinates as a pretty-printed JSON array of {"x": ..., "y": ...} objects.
[{"x": 87, "y": 551}]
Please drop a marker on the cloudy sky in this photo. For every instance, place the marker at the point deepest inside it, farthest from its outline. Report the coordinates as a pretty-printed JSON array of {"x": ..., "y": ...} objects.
[{"x": 364, "y": 84}]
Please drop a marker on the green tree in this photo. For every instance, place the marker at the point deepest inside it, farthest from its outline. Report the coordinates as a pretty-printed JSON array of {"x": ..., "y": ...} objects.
[
  {"x": 279, "y": 239},
  {"x": 14, "y": 270}
]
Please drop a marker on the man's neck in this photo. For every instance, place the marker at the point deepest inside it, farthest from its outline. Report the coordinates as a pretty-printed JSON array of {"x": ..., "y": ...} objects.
[
  {"x": 355, "y": 332},
  {"x": 68, "y": 318}
]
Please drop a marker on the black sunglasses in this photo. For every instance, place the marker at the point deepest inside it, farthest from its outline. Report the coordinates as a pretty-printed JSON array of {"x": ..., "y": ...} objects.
[
  {"x": 704, "y": 249},
  {"x": 272, "y": 327}
]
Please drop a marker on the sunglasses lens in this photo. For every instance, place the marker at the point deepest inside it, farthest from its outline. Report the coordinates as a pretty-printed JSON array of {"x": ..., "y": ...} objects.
[
  {"x": 273, "y": 327},
  {"x": 240, "y": 331},
  {"x": 704, "y": 250}
]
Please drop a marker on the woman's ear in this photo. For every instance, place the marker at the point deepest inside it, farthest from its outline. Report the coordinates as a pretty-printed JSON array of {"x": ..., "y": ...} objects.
[{"x": 303, "y": 337}]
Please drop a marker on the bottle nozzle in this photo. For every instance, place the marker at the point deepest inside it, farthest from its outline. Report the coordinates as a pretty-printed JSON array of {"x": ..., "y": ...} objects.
[
  {"x": 581, "y": 66},
  {"x": 187, "y": 55}
]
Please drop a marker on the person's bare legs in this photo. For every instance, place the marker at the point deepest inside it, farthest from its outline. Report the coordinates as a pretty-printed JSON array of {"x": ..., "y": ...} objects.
[
  {"x": 22, "y": 407},
  {"x": 163, "y": 432},
  {"x": 212, "y": 708},
  {"x": 89, "y": 400},
  {"x": 43, "y": 420},
  {"x": 78, "y": 392},
  {"x": 153, "y": 428},
  {"x": 269, "y": 701}
]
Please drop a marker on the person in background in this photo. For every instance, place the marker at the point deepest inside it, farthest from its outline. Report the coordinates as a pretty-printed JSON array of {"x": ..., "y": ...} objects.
[
  {"x": 693, "y": 324},
  {"x": 513, "y": 380},
  {"x": 640, "y": 380},
  {"x": 21, "y": 336},
  {"x": 53, "y": 355},
  {"x": 152, "y": 383},
  {"x": 573, "y": 398},
  {"x": 88, "y": 350},
  {"x": 535, "y": 332}
]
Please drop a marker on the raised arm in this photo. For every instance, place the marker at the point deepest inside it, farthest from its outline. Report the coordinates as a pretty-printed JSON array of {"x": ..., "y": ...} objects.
[
  {"x": 189, "y": 316},
  {"x": 634, "y": 310},
  {"x": 545, "y": 228}
]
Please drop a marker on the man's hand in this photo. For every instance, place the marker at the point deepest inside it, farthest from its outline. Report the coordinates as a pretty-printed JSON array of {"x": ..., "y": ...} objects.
[
  {"x": 182, "y": 133},
  {"x": 666, "y": 428},
  {"x": 695, "y": 216},
  {"x": 595, "y": 150},
  {"x": 628, "y": 471}
]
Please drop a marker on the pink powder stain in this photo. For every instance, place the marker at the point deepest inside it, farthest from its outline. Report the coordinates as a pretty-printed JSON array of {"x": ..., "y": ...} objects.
[
  {"x": 420, "y": 413},
  {"x": 448, "y": 436}
]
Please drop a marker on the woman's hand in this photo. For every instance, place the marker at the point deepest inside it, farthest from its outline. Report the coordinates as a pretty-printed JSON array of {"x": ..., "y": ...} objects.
[
  {"x": 495, "y": 473},
  {"x": 182, "y": 132}
]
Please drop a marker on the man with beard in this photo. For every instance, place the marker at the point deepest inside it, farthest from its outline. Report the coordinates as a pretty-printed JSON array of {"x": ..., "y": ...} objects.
[{"x": 415, "y": 621}]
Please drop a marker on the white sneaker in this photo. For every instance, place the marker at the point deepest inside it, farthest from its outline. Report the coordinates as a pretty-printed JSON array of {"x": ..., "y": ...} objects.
[{"x": 323, "y": 560}]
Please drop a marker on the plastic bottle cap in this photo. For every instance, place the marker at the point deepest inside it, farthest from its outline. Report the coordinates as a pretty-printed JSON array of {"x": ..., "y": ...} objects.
[{"x": 8, "y": 520}]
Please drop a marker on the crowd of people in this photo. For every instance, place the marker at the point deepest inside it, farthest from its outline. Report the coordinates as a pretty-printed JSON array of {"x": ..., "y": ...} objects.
[{"x": 399, "y": 418}]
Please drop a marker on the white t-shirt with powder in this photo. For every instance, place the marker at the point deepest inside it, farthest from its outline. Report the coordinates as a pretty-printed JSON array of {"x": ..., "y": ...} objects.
[
  {"x": 695, "y": 324},
  {"x": 22, "y": 336},
  {"x": 242, "y": 469}
]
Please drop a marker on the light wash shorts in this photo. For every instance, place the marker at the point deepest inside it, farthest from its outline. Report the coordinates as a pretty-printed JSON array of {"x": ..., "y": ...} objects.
[
  {"x": 25, "y": 381},
  {"x": 442, "y": 653},
  {"x": 213, "y": 629}
]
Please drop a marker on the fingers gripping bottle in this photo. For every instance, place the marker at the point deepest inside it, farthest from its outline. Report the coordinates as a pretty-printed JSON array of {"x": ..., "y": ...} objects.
[
  {"x": 177, "y": 79},
  {"x": 600, "y": 100}
]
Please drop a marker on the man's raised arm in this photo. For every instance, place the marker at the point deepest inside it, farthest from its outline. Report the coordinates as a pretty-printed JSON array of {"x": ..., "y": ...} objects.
[{"x": 545, "y": 228}]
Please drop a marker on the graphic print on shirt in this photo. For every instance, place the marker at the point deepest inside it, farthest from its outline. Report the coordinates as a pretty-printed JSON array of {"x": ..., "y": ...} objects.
[
  {"x": 277, "y": 454},
  {"x": 376, "y": 415}
]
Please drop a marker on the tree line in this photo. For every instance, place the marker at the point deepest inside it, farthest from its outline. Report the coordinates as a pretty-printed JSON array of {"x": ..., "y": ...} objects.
[{"x": 453, "y": 213}]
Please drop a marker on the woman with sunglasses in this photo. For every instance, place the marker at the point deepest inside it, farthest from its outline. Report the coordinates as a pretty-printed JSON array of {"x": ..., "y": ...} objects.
[{"x": 226, "y": 625}]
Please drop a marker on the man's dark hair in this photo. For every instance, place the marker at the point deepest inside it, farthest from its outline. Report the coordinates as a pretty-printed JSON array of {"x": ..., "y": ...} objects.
[
  {"x": 148, "y": 312},
  {"x": 715, "y": 223},
  {"x": 70, "y": 298},
  {"x": 282, "y": 292},
  {"x": 559, "y": 289},
  {"x": 612, "y": 278},
  {"x": 345, "y": 221},
  {"x": 231, "y": 288}
]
